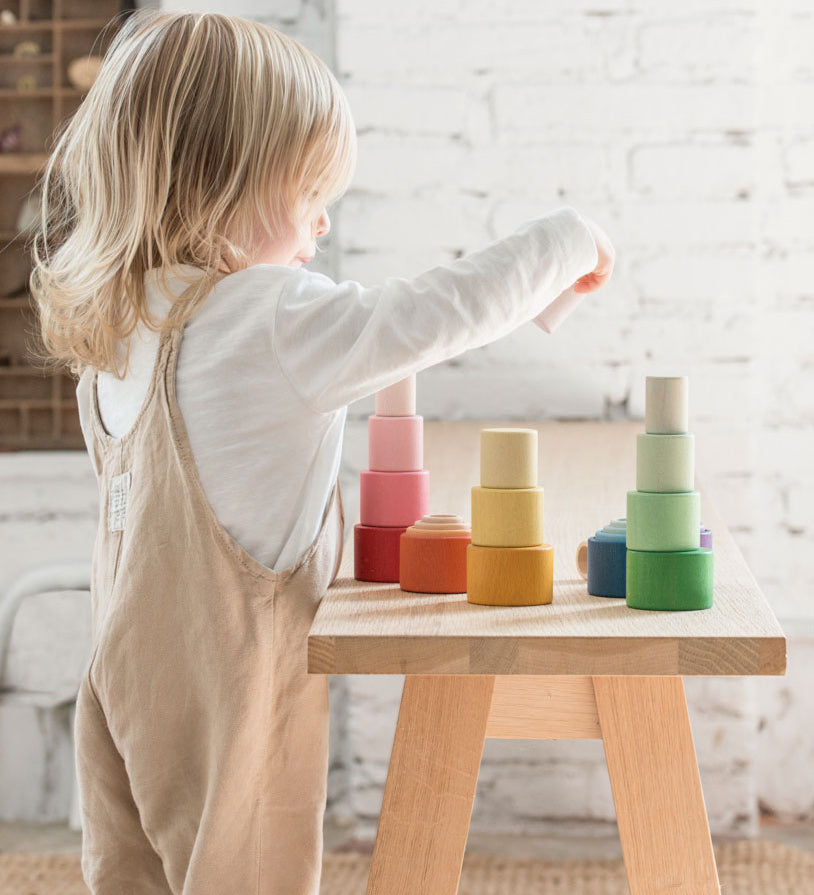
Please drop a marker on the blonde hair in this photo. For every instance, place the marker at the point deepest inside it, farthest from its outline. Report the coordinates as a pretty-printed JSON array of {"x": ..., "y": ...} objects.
[{"x": 198, "y": 127}]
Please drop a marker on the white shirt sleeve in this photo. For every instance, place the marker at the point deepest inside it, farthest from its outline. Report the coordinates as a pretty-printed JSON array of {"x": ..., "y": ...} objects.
[{"x": 338, "y": 342}]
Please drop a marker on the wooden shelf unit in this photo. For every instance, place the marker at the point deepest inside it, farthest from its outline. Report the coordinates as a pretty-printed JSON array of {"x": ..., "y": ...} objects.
[{"x": 37, "y": 410}]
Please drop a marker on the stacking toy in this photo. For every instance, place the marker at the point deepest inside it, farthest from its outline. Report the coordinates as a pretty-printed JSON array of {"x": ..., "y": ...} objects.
[
  {"x": 602, "y": 559},
  {"x": 395, "y": 443},
  {"x": 376, "y": 553},
  {"x": 553, "y": 314},
  {"x": 508, "y": 458},
  {"x": 393, "y": 498},
  {"x": 666, "y": 567},
  {"x": 508, "y": 563},
  {"x": 432, "y": 557},
  {"x": 507, "y": 517},
  {"x": 665, "y": 463},
  {"x": 663, "y": 522},
  {"x": 397, "y": 399},
  {"x": 680, "y": 580},
  {"x": 395, "y": 491},
  {"x": 666, "y": 405}
]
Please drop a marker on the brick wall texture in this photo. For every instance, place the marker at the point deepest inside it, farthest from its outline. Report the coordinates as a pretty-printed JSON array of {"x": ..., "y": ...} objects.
[{"x": 688, "y": 133}]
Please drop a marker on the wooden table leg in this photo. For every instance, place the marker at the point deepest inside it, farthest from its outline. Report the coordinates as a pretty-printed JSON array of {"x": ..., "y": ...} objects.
[
  {"x": 656, "y": 786},
  {"x": 430, "y": 787}
]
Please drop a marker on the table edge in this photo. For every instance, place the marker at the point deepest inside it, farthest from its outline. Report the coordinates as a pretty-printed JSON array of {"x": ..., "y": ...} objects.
[{"x": 595, "y": 656}]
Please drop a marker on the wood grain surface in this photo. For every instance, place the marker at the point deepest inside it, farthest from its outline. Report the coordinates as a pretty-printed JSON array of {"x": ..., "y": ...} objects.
[
  {"x": 430, "y": 787},
  {"x": 656, "y": 786},
  {"x": 586, "y": 469}
]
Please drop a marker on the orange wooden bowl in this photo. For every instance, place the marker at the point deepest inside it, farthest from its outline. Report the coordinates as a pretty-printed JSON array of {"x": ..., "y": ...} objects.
[{"x": 432, "y": 555}]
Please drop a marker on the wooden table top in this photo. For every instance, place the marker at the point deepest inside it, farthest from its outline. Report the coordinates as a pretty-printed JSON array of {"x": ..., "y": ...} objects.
[{"x": 586, "y": 470}]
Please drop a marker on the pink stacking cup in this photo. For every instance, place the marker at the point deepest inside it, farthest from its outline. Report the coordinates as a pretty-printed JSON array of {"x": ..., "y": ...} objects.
[
  {"x": 395, "y": 443},
  {"x": 393, "y": 498}
]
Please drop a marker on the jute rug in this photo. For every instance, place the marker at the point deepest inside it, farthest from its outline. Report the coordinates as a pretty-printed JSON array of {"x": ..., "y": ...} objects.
[{"x": 744, "y": 868}]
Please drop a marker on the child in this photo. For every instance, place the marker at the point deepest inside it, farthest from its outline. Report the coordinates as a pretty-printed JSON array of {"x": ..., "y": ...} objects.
[{"x": 180, "y": 205}]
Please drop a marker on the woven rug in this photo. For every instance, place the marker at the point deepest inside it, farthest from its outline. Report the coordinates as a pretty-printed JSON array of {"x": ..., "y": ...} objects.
[{"x": 744, "y": 868}]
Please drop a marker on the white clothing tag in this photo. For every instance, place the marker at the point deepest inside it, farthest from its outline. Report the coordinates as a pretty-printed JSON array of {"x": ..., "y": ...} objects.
[{"x": 117, "y": 506}]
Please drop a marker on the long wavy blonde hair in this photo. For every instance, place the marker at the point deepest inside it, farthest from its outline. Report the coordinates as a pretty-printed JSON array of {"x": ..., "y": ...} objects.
[{"x": 199, "y": 128}]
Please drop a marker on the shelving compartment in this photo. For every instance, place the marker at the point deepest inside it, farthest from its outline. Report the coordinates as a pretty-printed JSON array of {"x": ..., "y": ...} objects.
[
  {"x": 11, "y": 36},
  {"x": 16, "y": 190},
  {"x": 13, "y": 69},
  {"x": 32, "y": 113},
  {"x": 30, "y": 10},
  {"x": 78, "y": 42},
  {"x": 37, "y": 402},
  {"x": 89, "y": 9}
]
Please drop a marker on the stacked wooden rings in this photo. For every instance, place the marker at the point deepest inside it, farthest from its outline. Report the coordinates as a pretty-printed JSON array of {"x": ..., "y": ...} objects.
[
  {"x": 676, "y": 580},
  {"x": 508, "y": 563},
  {"x": 666, "y": 566},
  {"x": 602, "y": 559},
  {"x": 395, "y": 490},
  {"x": 432, "y": 556}
]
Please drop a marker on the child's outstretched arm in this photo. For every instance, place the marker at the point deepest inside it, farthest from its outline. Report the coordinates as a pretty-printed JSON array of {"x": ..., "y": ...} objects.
[{"x": 338, "y": 342}]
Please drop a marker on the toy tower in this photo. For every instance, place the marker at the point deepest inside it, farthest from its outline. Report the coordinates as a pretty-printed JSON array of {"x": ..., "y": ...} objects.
[
  {"x": 395, "y": 490},
  {"x": 432, "y": 555},
  {"x": 666, "y": 566},
  {"x": 507, "y": 563}
]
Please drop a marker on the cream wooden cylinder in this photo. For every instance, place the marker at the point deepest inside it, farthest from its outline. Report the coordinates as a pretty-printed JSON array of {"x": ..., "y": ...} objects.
[
  {"x": 397, "y": 399},
  {"x": 666, "y": 405},
  {"x": 507, "y": 517},
  {"x": 508, "y": 458}
]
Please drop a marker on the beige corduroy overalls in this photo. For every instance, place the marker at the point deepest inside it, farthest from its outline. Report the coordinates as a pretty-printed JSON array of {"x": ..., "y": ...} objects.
[{"x": 201, "y": 741}]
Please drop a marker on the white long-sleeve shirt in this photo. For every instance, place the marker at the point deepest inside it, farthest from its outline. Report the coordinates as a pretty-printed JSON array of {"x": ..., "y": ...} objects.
[{"x": 271, "y": 359}]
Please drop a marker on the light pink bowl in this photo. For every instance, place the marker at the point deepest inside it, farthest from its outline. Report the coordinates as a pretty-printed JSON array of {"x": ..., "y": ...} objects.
[{"x": 395, "y": 443}]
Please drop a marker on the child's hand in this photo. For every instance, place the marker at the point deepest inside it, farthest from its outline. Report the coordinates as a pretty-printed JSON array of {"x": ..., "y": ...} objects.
[{"x": 604, "y": 265}]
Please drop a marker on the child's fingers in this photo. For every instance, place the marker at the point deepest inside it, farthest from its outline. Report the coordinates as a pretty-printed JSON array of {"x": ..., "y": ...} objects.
[
  {"x": 606, "y": 255},
  {"x": 597, "y": 278},
  {"x": 592, "y": 282},
  {"x": 585, "y": 284}
]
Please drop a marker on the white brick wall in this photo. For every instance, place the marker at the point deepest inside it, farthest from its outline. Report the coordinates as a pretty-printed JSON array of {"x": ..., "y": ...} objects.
[
  {"x": 785, "y": 753},
  {"x": 689, "y": 134}
]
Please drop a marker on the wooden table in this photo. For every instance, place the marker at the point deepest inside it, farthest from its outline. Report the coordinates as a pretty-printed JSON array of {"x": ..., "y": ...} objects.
[{"x": 581, "y": 667}]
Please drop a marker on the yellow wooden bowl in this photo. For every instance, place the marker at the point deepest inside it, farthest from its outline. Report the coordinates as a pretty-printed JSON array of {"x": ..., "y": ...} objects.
[{"x": 510, "y": 576}]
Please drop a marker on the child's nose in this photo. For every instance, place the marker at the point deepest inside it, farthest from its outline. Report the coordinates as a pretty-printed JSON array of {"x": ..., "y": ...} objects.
[{"x": 323, "y": 224}]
